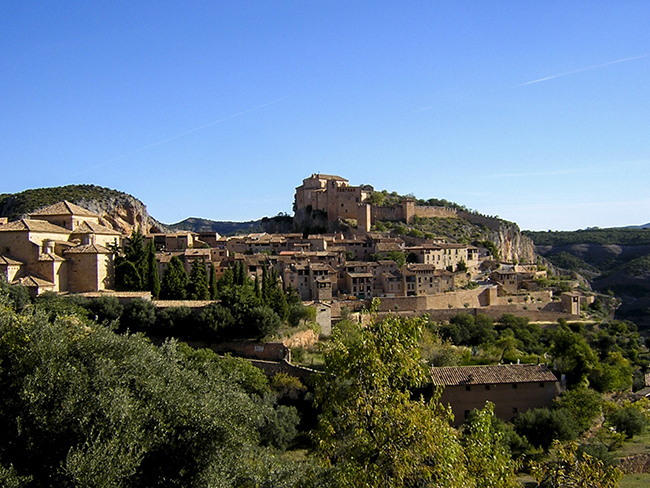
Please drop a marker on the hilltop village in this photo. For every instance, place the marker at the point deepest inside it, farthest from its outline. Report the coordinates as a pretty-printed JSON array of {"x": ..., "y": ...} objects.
[
  {"x": 357, "y": 294},
  {"x": 66, "y": 248}
]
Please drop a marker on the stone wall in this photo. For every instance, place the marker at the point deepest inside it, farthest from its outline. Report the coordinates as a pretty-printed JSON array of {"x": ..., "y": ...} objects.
[
  {"x": 635, "y": 464},
  {"x": 268, "y": 351},
  {"x": 435, "y": 212},
  {"x": 271, "y": 368}
]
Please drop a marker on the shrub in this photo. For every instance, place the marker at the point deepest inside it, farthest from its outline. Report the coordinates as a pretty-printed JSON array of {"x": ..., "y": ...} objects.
[
  {"x": 541, "y": 426},
  {"x": 628, "y": 420},
  {"x": 138, "y": 315}
]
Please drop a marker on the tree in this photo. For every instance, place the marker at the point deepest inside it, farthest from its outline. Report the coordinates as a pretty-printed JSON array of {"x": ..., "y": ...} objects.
[
  {"x": 174, "y": 281},
  {"x": 612, "y": 374},
  {"x": 584, "y": 404},
  {"x": 541, "y": 426},
  {"x": 139, "y": 314},
  {"x": 571, "y": 469},
  {"x": 197, "y": 286},
  {"x": 153, "y": 280},
  {"x": 572, "y": 355},
  {"x": 371, "y": 431},
  {"x": 83, "y": 406},
  {"x": 131, "y": 268},
  {"x": 488, "y": 460},
  {"x": 628, "y": 420},
  {"x": 213, "y": 282}
]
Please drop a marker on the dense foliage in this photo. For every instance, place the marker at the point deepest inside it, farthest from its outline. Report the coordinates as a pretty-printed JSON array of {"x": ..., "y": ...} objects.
[
  {"x": 17, "y": 204},
  {"x": 620, "y": 237},
  {"x": 83, "y": 406}
]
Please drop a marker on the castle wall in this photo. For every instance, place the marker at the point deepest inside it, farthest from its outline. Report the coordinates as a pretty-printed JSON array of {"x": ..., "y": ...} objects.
[
  {"x": 489, "y": 222},
  {"x": 435, "y": 212},
  {"x": 392, "y": 214}
]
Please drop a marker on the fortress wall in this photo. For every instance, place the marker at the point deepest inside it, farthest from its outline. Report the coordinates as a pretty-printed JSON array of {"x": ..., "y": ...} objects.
[
  {"x": 443, "y": 315},
  {"x": 393, "y": 213},
  {"x": 489, "y": 222},
  {"x": 435, "y": 212}
]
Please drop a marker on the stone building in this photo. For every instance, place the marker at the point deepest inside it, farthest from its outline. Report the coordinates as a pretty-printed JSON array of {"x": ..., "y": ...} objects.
[
  {"x": 62, "y": 247},
  {"x": 513, "y": 388},
  {"x": 331, "y": 194}
]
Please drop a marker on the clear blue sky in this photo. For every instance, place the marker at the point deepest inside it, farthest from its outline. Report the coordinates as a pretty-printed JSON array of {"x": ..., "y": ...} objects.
[{"x": 538, "y": 112}]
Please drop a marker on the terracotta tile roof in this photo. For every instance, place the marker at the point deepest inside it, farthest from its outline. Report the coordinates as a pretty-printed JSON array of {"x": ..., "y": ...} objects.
[
  {"x": 87, "y": 249},
  {"x": 6, "y": 260},
  {"x": 491, "y": 375},
  {"x": 32, "y": 281},
  {"x": 387, "y": 247},
  {"x": 64, "y": 208},
  {"x": 93, "y": 228},
  {"x": 360, "y": 275},
  {"x": 49, "y": 257},
  {"x": 33, "y": 226}
]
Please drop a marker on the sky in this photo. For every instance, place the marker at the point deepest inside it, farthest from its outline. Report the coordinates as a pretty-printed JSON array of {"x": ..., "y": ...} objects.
[{"x": 538, "y": 112}]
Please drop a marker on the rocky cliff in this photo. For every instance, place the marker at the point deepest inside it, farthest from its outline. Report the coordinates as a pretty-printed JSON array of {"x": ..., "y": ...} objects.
[{"x": 116, "y": 209}]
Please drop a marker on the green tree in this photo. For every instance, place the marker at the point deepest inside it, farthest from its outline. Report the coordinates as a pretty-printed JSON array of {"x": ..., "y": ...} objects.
[
  {"x": 197, "y": 286},
  {"x": 571, "y": 469},
  {"x": 628, "y": 420},
  {"x": 612, "y": 374},
  {"x": 153, "y": 280},
  {"x": 83, "y": 406},
  {"x": 213, "y": 283},
  {"x": 572, "y": 355},
  {"x": 131, "y": 267},
  {"x": 584, "y": 404},
  {"x": 488, "y": 460},
  {"x": 174, "y": 281},
  {"x": 372, "y": 432},
  {"x": 541, "y": 426}
]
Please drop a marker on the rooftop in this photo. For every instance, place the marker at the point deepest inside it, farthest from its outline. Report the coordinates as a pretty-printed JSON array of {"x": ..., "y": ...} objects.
[
  {"x": 491, "y": 375},
  {"x": 64, "y": 208}
]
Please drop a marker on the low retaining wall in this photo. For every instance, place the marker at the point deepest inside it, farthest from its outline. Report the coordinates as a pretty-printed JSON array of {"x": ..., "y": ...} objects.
[
  {"x": 635, "y": 464},
  {"x": 271, "y": 368}
]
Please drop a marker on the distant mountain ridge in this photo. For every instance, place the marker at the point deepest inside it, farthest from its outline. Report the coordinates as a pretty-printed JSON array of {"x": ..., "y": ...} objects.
[
  {"x": 195, "y": 224},
  {"x": 613, "y": 259}
]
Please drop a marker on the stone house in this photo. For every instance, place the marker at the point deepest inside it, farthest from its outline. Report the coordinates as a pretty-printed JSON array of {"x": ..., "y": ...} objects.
[
  {"x": 513, "y": 388},
  {"x": 62, "y": 247}
]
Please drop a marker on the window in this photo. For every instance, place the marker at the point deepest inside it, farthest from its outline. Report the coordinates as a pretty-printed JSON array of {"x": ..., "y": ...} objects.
[
  {"x": 541, "y": 385},
  {"x": 487, "y": 387},
  {"x": 466, "y": 414},
  {"x": 514, "y": 386},
  {"x": 468, "y": 388},
  {"x": 514, "y": 409}
]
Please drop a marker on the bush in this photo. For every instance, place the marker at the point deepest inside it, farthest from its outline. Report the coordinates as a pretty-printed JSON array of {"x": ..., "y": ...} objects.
[
  {"x": 138, "y": 315},
  {"x": 105, "y": 309},
  {"x": 216, "y": 322},
  {"x": 264, "y": 322},
  {"x": 628, "y": 420},
  {"x": 584, "y": 404},
  {"x": 541, "y": 426},
  {"x": 174, "y": 321}
]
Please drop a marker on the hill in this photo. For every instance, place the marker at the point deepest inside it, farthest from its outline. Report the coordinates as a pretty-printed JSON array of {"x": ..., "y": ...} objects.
[
  {"x": 615, "y": 260},
  {"x": 117, "y": 209},
  {"x": 195, "y": 224}
]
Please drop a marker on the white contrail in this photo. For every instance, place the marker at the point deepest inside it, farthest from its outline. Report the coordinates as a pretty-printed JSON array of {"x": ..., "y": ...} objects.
[
  {"x": 581, "y": 70},
  {"x": 182, "y": 134}
]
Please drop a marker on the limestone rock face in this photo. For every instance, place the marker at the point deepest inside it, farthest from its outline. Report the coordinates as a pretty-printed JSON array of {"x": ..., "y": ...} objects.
[
  {"x": 512, "y": 244},
  {"x": 124, "y": 213}
]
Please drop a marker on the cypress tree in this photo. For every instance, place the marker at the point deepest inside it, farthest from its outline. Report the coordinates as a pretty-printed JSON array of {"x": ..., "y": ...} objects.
[
  {"x": 198, "y": 288},
  {"x": 213, "y": 283},
  {"x": 174, "y": 281},
  {"x": 153, "y": 281}
]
